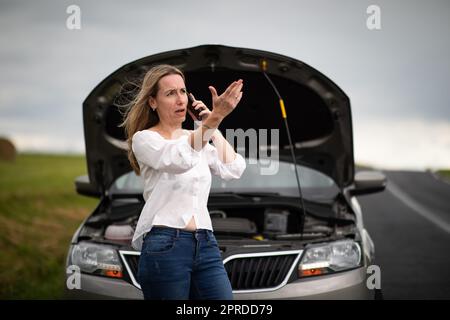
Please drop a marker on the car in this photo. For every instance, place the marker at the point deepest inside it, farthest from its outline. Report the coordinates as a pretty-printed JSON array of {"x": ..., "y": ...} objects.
[{"x": 279, "y": 239}]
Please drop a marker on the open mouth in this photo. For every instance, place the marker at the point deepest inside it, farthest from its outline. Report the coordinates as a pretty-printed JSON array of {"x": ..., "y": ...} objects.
[{"x": 180, "y": 111}]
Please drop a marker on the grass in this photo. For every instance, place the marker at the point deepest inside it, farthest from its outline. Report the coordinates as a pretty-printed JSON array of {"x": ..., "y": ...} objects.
[
  {"x": 444, "y": 173},
  {"x": 39, "y": 212}
]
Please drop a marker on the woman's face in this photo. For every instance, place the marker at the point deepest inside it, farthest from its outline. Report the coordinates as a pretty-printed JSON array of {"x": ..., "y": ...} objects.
[{"x": 171, "y": 100}]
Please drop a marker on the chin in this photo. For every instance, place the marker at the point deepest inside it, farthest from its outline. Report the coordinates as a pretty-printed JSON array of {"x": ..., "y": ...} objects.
[{"x": 183, "y": 119}]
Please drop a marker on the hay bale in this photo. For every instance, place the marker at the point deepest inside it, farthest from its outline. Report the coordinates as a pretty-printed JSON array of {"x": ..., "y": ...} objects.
[{"x": 7, "y": 150}]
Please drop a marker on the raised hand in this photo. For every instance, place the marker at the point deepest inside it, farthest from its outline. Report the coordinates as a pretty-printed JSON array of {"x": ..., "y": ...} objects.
[{"x": 224, "y": 104}]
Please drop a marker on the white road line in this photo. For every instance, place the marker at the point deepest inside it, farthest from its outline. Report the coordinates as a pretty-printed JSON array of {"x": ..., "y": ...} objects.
[{"x": 418, "y": 208}]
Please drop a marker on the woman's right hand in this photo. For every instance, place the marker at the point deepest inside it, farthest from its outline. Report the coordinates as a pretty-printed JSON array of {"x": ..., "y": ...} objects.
[{"x": 224, "y": 104}]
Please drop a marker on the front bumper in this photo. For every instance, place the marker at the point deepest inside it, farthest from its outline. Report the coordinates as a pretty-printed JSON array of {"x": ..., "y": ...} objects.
[
  {"x": 344, "y": 285},
  {"x": 98, "y": 287}
]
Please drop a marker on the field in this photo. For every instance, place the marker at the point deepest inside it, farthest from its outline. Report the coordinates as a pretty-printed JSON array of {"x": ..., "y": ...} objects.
[
  {"x": 445, "y": 174},
  {"x": 39, "y": 212}
]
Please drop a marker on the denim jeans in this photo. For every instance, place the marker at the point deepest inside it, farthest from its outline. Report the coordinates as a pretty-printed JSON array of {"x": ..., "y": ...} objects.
[{"x": 176, "y": 265}]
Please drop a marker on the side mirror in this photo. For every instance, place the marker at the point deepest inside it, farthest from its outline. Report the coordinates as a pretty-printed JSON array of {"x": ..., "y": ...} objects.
[
  {"x": 84, "y": 187},
  {"x": 368, "y": 182}
]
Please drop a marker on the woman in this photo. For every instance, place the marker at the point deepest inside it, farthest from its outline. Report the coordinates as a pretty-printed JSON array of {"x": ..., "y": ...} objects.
[{"x": 179, "y": 258}]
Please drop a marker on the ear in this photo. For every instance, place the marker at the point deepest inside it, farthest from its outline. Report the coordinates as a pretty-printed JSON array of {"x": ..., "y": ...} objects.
[{"x": 152, "y": 102}]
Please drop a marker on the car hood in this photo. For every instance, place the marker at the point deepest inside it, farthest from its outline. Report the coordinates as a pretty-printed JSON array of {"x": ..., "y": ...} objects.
[{"x": 318, "y": 111}]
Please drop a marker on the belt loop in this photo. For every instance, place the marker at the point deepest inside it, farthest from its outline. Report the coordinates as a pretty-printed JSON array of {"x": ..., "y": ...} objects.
[{"x": 178, "y": 233}]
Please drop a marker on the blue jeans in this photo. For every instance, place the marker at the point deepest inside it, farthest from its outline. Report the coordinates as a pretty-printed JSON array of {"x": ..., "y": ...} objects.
[{"x": 176, "y": 264}]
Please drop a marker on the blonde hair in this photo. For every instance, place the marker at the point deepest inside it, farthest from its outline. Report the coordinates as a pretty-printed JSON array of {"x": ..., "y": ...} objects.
[{"x": 139, "y": 115}]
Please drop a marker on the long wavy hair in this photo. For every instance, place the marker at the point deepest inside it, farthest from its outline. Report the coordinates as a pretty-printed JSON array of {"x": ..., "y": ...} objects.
[{"x": 139, "y": 115}]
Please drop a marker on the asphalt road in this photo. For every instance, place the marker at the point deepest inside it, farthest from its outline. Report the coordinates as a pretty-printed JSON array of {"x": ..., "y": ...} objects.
[{"x": 409, "y": 223}]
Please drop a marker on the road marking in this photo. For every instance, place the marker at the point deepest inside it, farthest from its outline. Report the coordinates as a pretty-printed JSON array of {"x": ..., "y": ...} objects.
[{"x": 418, "y": 208}]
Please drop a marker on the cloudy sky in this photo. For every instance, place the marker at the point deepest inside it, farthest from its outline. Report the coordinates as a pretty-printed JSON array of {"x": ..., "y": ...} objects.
[{"x": 397, "y": 77}]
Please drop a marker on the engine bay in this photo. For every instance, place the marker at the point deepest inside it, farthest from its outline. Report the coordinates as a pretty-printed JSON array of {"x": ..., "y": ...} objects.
[{"x": 245, "y": 222}]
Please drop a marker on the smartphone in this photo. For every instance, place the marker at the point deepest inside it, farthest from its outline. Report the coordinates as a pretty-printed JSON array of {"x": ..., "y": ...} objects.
[{"x": 191, "y": 108}]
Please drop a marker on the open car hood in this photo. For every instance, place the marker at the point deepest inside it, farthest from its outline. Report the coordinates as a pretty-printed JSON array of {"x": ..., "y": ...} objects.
[{"x": 318, "y": 111}]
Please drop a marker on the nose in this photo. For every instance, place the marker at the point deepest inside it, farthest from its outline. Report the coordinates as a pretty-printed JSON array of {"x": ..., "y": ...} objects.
[{"x": 180, "y": 97}]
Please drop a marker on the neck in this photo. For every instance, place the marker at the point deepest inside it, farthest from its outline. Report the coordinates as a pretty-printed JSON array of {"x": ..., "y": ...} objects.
[{"x": 169, "y": 128}]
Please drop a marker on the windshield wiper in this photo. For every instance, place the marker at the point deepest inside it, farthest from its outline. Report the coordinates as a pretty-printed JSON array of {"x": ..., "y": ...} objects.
[
  {"x": 126, "y": 195},
  {"x": 245, "y": 194}
]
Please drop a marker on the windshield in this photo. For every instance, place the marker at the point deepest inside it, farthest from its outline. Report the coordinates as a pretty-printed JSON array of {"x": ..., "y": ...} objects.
[{"x": 314, "y": 183}]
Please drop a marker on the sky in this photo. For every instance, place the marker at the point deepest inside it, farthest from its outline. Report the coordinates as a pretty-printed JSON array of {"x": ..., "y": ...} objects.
[{"x": 397, "y": 77}]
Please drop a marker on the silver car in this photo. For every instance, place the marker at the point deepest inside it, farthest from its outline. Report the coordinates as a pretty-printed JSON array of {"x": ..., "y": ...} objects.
[{"x": 275, "y": 243}]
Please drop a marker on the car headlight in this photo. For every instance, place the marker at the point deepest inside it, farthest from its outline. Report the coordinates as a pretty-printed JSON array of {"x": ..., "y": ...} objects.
[
  {"x": 330, "y": 257},
  {"x": 97, "y": 259}
]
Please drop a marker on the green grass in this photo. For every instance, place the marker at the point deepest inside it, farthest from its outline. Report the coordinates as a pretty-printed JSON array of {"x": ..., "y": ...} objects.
[
  {"x": 39, "y": 212},
  {"x": 444, "y": 173}
]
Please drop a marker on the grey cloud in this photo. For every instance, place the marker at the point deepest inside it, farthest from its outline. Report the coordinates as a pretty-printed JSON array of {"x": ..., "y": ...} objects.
[{"x": 401, "y": 71}]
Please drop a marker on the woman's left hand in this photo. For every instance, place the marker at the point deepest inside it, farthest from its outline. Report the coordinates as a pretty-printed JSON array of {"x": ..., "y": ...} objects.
[{"x": 198, "y": 104}]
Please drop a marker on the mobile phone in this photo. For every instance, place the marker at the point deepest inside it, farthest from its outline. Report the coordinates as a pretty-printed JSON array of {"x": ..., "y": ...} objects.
[{"x": 191, "y": 108}]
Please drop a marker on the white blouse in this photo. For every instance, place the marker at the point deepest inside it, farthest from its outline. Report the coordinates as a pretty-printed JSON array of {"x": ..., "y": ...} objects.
[{"x": 177, "y": 181}]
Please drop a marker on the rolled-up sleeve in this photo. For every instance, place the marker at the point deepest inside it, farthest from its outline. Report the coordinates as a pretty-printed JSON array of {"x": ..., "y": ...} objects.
[
  {"x": 227, "y": 171},
  {"x": 172, "y": 156}
]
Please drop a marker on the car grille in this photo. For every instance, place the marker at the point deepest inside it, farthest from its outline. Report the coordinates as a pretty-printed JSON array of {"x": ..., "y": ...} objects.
[
  {"x": 245, "y": 271},
  {"x": 259, "y": 272}
]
